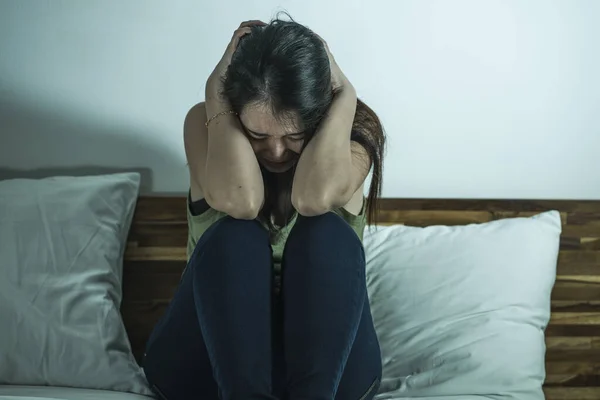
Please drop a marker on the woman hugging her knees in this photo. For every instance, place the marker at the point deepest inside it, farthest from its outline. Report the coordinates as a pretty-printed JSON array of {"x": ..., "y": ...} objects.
[{"x": 273, "y": 303}]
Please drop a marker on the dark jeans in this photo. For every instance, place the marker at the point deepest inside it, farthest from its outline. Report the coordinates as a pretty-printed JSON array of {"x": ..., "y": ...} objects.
[{"x": 226, "y": 335}]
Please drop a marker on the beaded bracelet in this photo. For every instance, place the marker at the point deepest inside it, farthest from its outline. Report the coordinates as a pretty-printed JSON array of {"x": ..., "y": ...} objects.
[{"x": 219, "y": 114}]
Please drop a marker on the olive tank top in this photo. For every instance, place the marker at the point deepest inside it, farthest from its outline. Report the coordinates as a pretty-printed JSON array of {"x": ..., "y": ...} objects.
[{"x": 200, "y": 217}]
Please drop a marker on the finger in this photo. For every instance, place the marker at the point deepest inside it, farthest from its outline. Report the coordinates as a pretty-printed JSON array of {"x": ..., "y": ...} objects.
[
  {"x": 237, "y": 35},
  {"x": 251, "y": 23},
  {"x": 241, "y": 32}
]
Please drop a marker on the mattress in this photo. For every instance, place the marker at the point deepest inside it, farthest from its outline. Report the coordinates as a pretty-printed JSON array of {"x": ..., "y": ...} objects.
[
  {"x": 14, "y": 392},
  {"x": 58, "y": 393}
]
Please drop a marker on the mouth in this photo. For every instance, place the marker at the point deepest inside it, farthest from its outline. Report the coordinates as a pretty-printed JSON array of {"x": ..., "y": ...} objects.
[
  {"x": 276, "y": 162},
  {"x": 277, "y": 166}
]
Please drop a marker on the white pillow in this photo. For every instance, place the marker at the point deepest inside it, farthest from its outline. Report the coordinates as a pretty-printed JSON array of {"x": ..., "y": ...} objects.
[
  {"x": 62, "y": 241},
  {"x": 461, "y": 310}
]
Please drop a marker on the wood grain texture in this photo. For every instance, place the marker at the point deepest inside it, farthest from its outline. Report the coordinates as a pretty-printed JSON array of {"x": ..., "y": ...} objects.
[{"x": 156, "y": 255}]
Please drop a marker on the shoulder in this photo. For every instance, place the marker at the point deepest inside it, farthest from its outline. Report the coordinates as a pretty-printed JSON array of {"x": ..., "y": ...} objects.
[
  {"x": 361, "y": 165},
  {"x": 360, "y": 156},
  {"x": 194, "y": 121},
  {"x": 195, "y": 133},
  {"x": 195, "y": 139}
]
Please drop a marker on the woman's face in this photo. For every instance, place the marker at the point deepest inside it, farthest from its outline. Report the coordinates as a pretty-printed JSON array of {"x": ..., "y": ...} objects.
[{"x": 277, "y": 146}]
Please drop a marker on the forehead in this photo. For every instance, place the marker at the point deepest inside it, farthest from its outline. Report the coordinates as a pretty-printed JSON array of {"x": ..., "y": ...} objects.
[{"x": 261, "y": 120}]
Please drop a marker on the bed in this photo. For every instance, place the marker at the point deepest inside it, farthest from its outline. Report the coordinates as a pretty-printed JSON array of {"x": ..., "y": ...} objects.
[
  {"x": 155, "y": 258},
  {"x": 23, "y": 392}
]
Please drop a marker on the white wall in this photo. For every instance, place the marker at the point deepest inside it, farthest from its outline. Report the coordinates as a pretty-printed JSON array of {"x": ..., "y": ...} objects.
[{"x": 480, "y": 98}]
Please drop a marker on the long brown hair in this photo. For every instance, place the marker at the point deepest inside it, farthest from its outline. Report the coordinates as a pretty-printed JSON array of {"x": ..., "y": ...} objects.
[
  {"x": 285, "y": 65},
  {"x": 368, "y": 131}
]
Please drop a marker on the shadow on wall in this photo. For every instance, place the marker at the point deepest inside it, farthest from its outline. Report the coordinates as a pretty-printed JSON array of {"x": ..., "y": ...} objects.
[{"x": 39, "y": 141}]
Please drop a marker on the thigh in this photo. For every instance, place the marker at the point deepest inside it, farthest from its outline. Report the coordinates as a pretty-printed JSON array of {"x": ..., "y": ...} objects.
[
  {"x": 176, "y": 361},
  {"x": 278, "y": 357},
  {"x": 362, "y": 373}
]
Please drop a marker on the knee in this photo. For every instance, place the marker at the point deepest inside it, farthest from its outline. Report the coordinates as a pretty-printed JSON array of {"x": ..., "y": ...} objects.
[
  {"x": 328, "y": 230},
  {"x": 230, "y": 232},
  {"x": 228, "y": 237}
]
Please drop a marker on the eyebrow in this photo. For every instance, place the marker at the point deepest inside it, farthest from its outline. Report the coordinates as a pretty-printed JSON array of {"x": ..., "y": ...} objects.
[{"x": 259, "y": 134}]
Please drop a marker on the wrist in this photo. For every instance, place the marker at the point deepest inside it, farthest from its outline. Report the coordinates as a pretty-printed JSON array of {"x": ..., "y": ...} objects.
[
  {"x": 344, "y": 84},
  {"x": 347, "y": 94},
  {"x": 213, "y": 87},
  {"x": 215, "y": 103}
]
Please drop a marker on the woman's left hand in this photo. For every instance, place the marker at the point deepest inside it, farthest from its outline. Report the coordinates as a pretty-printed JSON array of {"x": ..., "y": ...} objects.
[{"x": 338, "y": 79}]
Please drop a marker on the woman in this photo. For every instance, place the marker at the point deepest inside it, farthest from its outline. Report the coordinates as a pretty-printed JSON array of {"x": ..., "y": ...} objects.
[{"x": 273, "y": 302}]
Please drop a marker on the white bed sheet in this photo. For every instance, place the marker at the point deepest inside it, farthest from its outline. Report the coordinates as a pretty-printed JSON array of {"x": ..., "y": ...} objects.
[
  {"x": 14, "y": 392},
  {"x": 17, "y": 392}
]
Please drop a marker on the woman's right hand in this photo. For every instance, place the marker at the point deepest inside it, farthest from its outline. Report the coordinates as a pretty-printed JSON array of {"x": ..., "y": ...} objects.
[{"x": 214, "y": 80}]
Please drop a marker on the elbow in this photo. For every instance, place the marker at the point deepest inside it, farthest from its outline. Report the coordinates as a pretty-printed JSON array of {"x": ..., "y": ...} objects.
[
  {"x": 238, "y": 207},
  {"x": 247, "y": 212},
  {"x": 310, "y": 209},
  {"x": 314, "y": 204}
]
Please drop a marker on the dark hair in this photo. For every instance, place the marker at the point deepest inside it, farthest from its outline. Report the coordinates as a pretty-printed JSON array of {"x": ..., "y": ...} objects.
[{"x": 285, "y": 66}]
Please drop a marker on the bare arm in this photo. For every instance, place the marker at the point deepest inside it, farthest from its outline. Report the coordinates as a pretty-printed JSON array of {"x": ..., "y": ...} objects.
[
  {"x": 232, "y": 182},
  {"x": 223, "y": 168},
  {"x": 332, "y": 169}
]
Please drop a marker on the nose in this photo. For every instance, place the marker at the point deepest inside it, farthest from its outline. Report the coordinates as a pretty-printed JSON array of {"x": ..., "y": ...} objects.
[{"x": 277, "y": 150}]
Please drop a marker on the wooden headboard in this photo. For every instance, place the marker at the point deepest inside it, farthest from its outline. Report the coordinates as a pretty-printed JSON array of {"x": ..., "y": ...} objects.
[{"x": 155, "y": 259}]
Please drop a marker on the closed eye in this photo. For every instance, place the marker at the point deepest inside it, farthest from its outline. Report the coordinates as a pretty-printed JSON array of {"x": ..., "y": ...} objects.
[
  {"x": 296, "y": 137},
  {"x": 262, "y": 136},
  {"x": 254, "y": 135}
]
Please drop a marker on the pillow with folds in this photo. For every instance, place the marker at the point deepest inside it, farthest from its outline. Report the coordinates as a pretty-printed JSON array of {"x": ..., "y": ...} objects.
[
  {"x": 462, "y": 310},
  {"x": 62, "y": 242}
]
